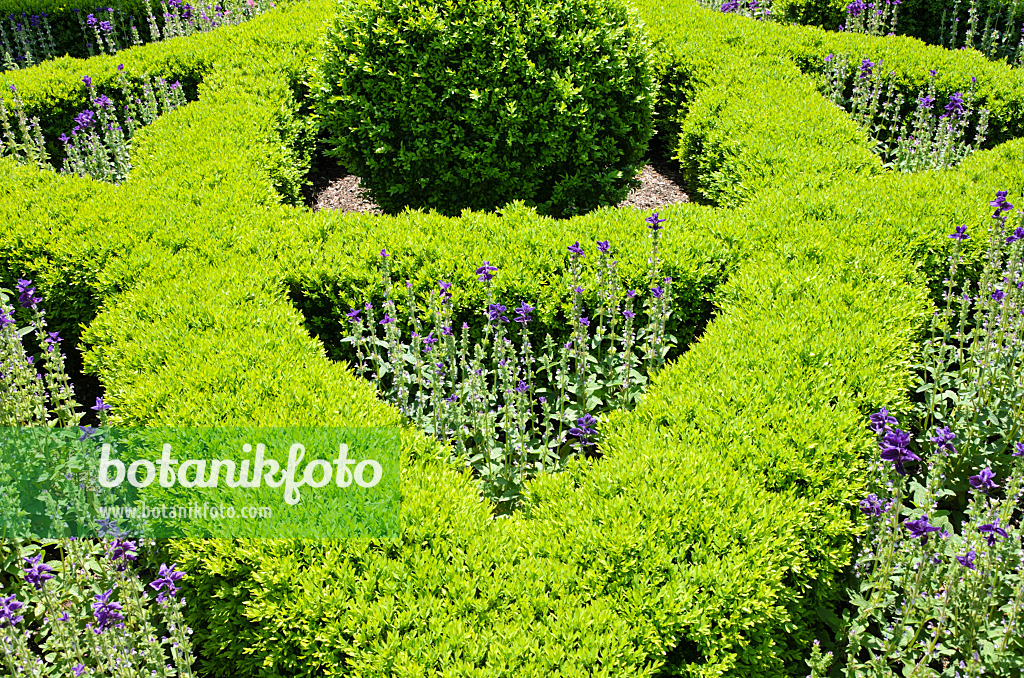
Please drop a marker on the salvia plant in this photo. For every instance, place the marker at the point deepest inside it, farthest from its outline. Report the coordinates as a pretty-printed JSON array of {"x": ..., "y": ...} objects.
[
  {"x": 971, "y": 379},
  {"x": 753, "y": 9},
  {"x": 99, "y": 145},
  {"x": 510, "y": 405},
  {"x": 999, "y": 34},
  {"x": 938, "y": 583},
  {"x": 28, "y": 40},
  {"x": 74, "y": 606},
  {"x": 930, "y": 138},
  {"x": 25, "y": 41},
  {"x": 934, "y": 596},
  {"x": 871, "y": 18}
]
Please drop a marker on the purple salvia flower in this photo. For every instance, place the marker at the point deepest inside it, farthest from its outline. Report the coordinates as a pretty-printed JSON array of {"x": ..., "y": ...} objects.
[
  {"x": 991, "y": 531},
  {"x": 486, "y": 272},
  {"x": 523, "y": 313},
  {"x": 387, "y": 320},
  {"x": 584, "y": 429},
  {"x": 871, "y": 505},
  {"x": 955, "y": 107},
  {"x": 86, "y": 79},
  {"x": 37, "y": 572},
  {"x": 967, "y": 560},
  {"x": 167, "y": 578},
  {"x": 575, "y": 249},
  {"x": 894, "y": 449},
  {"x": 105, "y": 611},
  {"x": 495, "y": 311},
  {"x": 1020, "y": 449},
  {"x": 603, "y": 246},
  {"x": 983, "y": 482},
  {"x": 920, "y": 528},
  {"x": 961, "y": 233},
  {"x": 653, "y": 222},
  {"x": 100, "y": 405},
  {"x": 944, "y": 439},
  {"x": 9, "y": 607},
  {"x": 26, "y": 294},
  {"x": 1000, "y": 204},
  {"x": 1018, "y": 234},
  {"x": 657, "y": 292}
]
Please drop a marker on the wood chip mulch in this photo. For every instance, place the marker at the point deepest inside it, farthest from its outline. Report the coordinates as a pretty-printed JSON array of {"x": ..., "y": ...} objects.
[{"x": 660, "y": 185}]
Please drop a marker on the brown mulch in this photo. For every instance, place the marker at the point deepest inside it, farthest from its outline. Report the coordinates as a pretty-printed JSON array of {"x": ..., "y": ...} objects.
[{"x": 660, "y": 185}]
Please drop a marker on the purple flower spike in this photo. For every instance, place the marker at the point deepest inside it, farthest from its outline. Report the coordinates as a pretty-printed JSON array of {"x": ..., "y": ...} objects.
[
  {"x": 86, "y": 79},
  {"x": 944, "y": 439},
  {"x": 926, "y": 102},
  {"x": 920, "y": 528},
  {"x": 584, "y": 429},
  {"x": 961, "y": 233},
  {"x": 26, "y": 294},
  {"x": 955, "y": 107},
  {"x": 387, "y": 320},
  {"x": 38, "y": 572},
  {"x": 9, "y": 606},
  {"x": 100, "y": 406},
  {"x": 167, "y": 579},
  {"x": 998, "y": 295},
  {"x": 1020, "y": 449},
  {"x": 871, "y": 505},
  {"x": 991, "y": 531},
  {"x": 657, "y": 292},
  {"x": 894, "y": 449},
  {"x": 967, "y": 560},
  {"x": 353, "y": 315},
  {"x": 105, "y": 611},
  {"x": 603, "y": 246},
  {"x": 585, "y": 321},
  {"x": 1018, "y": 234},
  {"x": 1000, "y": 204},
  {"x": 486, "y": 272},
  {"x": 983, "y": 481},
  {"x": 496, "y": 311},
  {"x": 523, "y": 313},
  {"x": 575, "y": 249},
  {"x": 5, "y": 319},
  {"x": 653, "y": 222},
  {"x": 120, "y": 67},
  {"x": 521, "y": 387}
]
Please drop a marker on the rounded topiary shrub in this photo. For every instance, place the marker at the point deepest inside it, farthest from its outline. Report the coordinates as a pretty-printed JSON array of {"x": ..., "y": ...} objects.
[{"x": 475, "y": 103}]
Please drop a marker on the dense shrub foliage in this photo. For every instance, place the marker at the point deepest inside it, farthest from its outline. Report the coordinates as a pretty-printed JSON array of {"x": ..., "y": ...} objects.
[
  {"x": 711, "y": 537},
  {"x": 455, "y": 104}
]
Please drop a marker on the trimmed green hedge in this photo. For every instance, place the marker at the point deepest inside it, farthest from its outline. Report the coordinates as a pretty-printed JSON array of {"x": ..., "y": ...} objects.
[
  {"x": 710, "y": 536},
  {"x": 701, "y": 49}
]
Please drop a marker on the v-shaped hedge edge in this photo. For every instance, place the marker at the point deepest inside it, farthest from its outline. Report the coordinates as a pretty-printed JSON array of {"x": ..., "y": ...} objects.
[{"x": 710, "y": 535}]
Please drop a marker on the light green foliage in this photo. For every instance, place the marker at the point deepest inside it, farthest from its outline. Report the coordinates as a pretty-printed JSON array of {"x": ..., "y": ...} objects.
[
  {"x": 711, "y": 535},
  {"x": 451, "y": 104}
]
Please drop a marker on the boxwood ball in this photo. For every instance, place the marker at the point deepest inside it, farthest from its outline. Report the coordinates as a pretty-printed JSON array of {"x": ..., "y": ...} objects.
[{"x": 457, "y": 104}]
